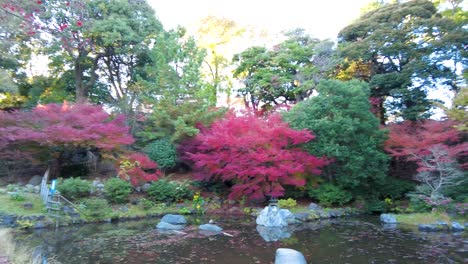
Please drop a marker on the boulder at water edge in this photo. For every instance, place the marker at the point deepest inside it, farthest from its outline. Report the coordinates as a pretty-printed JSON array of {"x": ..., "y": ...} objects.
[
  {"x": 272, "y": 216},
  {"x": 289, "y": 256},
  {"x": 457, "y": 227},
  {"x": 388, "y": 219},
  {"x": 174, "y": 219}
]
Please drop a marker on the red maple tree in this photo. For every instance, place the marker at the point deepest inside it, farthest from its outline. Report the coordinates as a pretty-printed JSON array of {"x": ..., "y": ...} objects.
[
  {"x": 134, "y": 167},
  {"x": 46, "y": 131},
  {"x": 437, "y": 148},
  {"x": 259, "y": 155}
]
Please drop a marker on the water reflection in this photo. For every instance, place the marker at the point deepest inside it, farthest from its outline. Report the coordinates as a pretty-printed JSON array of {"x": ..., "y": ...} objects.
[{"x": 360, "y": 240}]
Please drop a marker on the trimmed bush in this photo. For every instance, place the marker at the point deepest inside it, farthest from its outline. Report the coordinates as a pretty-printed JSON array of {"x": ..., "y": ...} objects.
[
  {"x": 74, "y": 188},
  {"x": 329, "y": 194},
  {"x": 97, "y": 209},
  {"x": 117, "y": 190},
  {"x": 168, "y": 191},
  {"x": 163, "y": 152},
  {"x": 287, "y": 203}
]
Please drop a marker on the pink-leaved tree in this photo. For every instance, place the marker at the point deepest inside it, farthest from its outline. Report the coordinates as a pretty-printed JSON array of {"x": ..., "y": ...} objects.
[
  {"x": 258, "y": 155},
  {"x": 45, "y": 132},
  {"x": 435, "y": 146}
]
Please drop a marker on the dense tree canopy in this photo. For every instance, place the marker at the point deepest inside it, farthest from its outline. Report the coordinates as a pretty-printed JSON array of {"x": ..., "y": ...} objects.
[
  {"x": 406, "y": 46},
  {"x": 346, "y": 131},
  {"x": 288, "y": 73}
]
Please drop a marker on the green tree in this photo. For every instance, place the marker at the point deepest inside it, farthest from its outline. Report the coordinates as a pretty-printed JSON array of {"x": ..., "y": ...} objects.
[
  {"x": 346, "y": 131},
  {"x": 287, "y": 73},
  {"x": 407, "y": 46},
  {"x": 171, "y": 85},
  {"x": 215, "y": 35}
]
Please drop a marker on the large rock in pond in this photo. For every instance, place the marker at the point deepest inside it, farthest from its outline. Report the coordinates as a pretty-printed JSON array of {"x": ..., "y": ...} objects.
[
  {"x": 388, "y": 219},
  {"x": 174, "y": 219},
  {"x": 289, "y": 256},
  {"x": 272, "y": 216},
  {"x": 168, "y": 226},
  {"x": 272, "y": 234}
]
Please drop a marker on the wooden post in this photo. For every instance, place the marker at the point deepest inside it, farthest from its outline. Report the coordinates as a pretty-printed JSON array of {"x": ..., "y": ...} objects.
[{"x": 44, "y": 189}]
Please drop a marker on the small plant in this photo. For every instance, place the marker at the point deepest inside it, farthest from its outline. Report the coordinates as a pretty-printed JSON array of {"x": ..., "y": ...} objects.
[
  {"x": 12, "y": 187},
  {"x": 74, "y": 188},
  {"x": 168, "y": 191},
  {"x": 287, "y": 203},
  {"x": 184, "y": 210},
  {"x": 117, "y": 190},
  {"x": 198, "y": 203},
  {"x": 17, "y": 196},
  {"x": 247, "y": 210},
  {"x": 163, "y": 152},
  {"x": 329, "y": 194},
  {"x": 145, "y": 204},
  {"x": 138, "y": 169},
  {"x": 24, "y": 224},
  {"x": 96, "y": 208}
]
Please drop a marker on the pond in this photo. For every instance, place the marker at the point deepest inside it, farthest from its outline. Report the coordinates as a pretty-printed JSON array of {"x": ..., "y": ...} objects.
[{"x": 356, "y": 240}]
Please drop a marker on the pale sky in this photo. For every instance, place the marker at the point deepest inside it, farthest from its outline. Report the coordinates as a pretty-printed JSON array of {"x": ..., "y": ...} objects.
[{"x": 321, "y": 18}]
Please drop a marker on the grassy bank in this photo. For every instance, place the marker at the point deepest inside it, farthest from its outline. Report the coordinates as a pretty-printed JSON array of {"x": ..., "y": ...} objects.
[
  {"x": 427, "y": 218},
  {"x": 17, "y": 254}
]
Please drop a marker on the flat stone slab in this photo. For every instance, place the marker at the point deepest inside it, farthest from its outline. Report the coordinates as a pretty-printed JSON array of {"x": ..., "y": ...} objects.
[{"x": 211, "y": 228}]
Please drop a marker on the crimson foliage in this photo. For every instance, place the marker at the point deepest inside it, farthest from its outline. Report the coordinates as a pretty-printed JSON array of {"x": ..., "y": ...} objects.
[
  {"x": 133, "y": 167},
  {"x": 418, "y": 141},
  {"x": 258, "y": 155},
  {"x": 53, "y": 127}
]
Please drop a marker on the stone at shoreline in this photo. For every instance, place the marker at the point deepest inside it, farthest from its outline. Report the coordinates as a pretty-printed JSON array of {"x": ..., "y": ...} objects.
[
  {"x": 457, "y": 227},
  {"x": 302, "y": 216},
  {"x": 168, "y": 226},
  {"x": 272, "y": 216},
  {"x": 314, "y": 207},
  {"x": 8, "y": 220},
  {"x": 388, "y": 219},
  {"x": 211, "y": 228},
  {"x": 428, "y": 228},
  {"x": 289, "y": 256},
  {"x": 35, "y": 180},
  {"x": 174, "y": 219}
]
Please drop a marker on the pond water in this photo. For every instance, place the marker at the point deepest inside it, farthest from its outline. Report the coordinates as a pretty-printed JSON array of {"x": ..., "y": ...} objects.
[{"x": 357, "y": 240}]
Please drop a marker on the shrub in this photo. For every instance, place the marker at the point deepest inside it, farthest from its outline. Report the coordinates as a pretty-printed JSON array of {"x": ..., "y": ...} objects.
[
  {"x": 17, "y": 196},
  {"x": 287, "y": 203},
  {"x": 74, "y": 188},
  {"x": 168, "y": 191},
  {"x": 117, "y": 190},
  {"x": 138, "y": 168},
  {"x": 96, "y": 208},
  {"x": 163, "y": 153},
  {"x": 329, "y": 194},
  {"x": 395, "y": 188},
  {"x": 145, "y": 204}
]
